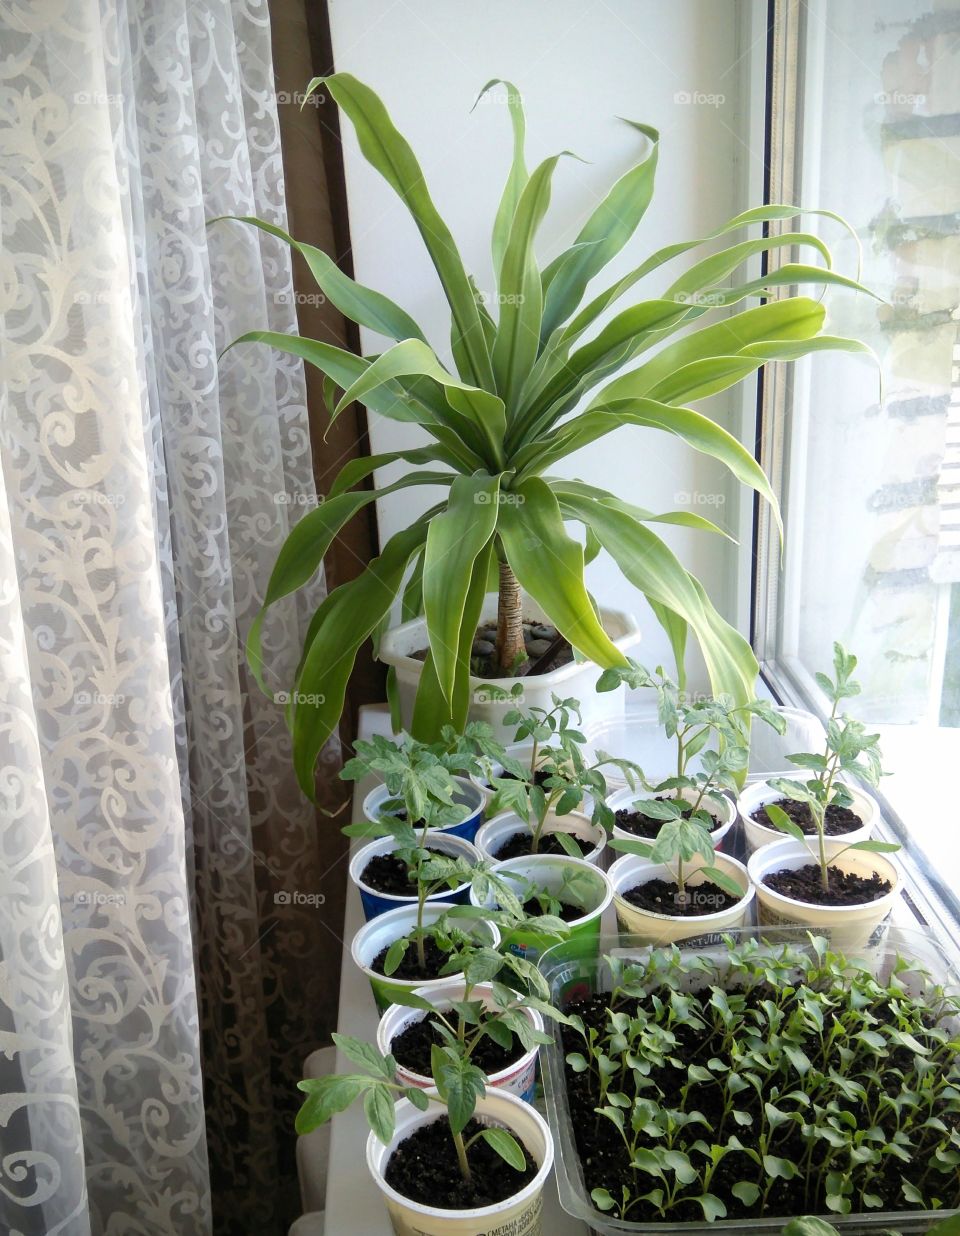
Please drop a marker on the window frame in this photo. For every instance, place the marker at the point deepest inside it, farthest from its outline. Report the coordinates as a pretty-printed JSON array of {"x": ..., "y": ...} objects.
[{"x": 790, "y": 35}]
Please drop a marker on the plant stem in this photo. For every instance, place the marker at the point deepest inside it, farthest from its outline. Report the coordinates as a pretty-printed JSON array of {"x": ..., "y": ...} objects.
[
  {"x": 510, "y": 646},
  {"x": 421, "y": 902},
  {"x": 462, "y": 1156}
]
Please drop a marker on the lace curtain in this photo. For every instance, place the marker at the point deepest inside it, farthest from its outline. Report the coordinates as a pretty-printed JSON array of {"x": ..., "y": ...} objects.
[{"x": 158, "y": 914}]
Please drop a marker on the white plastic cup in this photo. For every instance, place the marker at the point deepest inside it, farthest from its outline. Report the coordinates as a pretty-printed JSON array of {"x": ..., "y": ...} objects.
[
  {"x": 658, "y": 929},
  {"x": 518, "y": 1078},
  {"x": 718, "y": 805},
  {"x": 519, "y": 1214},
  {"x": 848, "y": 928},
  {"x": 496, "y": 832},
  {"x": 762, "y": 792}
]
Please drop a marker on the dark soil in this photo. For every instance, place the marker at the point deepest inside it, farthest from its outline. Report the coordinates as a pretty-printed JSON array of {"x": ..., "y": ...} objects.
[
  {"x": 645, "y": 825},
  {"x": 567, "y": 911},
  {"x": 424, "y": 1168},
  {"x": 540, "y": 777},
  {"x": 409, "y": 968},
  {"x": 412, "y": 1048},
  {"x": 388, "y": 873},
  {"x": 663, "y": 897},
  {"x": 605, "y": 1161},
  {"x": 518, "y": 846},
  {"x": 837, "y": 820},
  {"x": 846, "y": 888}
]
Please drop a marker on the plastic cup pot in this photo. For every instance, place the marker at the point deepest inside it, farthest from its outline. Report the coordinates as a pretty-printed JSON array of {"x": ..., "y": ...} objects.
[
  {"x": 517, "y": 1078},
  {"x": 719, "y": 806},
  {"x": 375, "y": 902},
  {"x": 468, "y": 796},
  {"x": 761, "y": 793},
  {"x": 380, "y": 932},
  {"x": 495, "y": 833},
  {"x": 848, "y": 927},
  {"x": 519, "y": 1214},
  {"x": 650, "y": 927},
  {"x": 547, "y": 872}
]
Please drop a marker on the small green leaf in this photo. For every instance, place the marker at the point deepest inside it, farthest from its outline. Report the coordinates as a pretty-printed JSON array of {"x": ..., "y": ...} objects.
[
  {"x": 602, "y": 1199},
  {"x": 506, "y": 1146},
  {"x": 395, "y": 954},
  {"x": 746, "y": 1192},
  {"x": 780, "y": 1169},
  {"x": 380, "y": 1112}
]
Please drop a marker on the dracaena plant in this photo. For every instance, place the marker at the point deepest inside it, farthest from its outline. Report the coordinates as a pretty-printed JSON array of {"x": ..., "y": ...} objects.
[
  {"x": 558, "y": 776},
  {"x": 550, "y": 374},
  {"x": 459, "y": 1083},
  {"x": 849, "y": 749},
  {"x": 776, "y": 1080}
]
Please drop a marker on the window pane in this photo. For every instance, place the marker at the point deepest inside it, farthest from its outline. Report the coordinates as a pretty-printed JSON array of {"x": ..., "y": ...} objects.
[{"x": 872, "y": 483}]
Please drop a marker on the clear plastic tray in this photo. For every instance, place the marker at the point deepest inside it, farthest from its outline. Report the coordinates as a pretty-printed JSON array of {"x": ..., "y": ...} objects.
[{"x": 574, "y": 972}]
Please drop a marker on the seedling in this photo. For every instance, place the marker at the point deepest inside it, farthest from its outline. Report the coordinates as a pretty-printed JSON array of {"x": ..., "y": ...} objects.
[
  {"x": 817, "y": 1085},
  {"x": 418, "y": 777},
  {"x": 679, "y": 841},
  {"x": 576, "y": 888},
  {"x": 467, "y": 1021},
  {"x": 558, "y": 777},
  {"x": 458, "y": 1082},
  {"x": 849, "y": 749}
]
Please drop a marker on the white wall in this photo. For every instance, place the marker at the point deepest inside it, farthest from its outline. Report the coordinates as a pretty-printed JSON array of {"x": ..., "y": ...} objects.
[{"x": 578, "y": 66}]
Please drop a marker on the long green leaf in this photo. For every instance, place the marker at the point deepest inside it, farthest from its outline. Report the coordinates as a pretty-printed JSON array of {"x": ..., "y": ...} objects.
[
  {"x": 482, "y": 411},
  {"x": 454, "y": 540},
  {"x": 517, "y": 176},
  {"x": 432, "y": 710},
  {"x": 549, "y": 565},
  {"x": 683, "y": 519},
  {"x": 759, "y": 214},
  {"x": 360, "y": 304},
  {"x": 695, "y": 429},
  {"x": 351, "y": 612},
  {"x": 307, "y": 544},
  {"x": 389, "y": 152},
  {"x": 611, "y": 224},
  {"x": 653, "y": 568},
  {"x": 521, "y": 295},
  {"x": 356, "y": 470},
  {"x": 796, "y": 318},
  {"x": 717, "y": 266}
]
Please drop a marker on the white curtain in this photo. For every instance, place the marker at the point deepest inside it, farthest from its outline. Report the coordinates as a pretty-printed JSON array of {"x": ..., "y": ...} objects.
[{"x": 144, "y": 491}]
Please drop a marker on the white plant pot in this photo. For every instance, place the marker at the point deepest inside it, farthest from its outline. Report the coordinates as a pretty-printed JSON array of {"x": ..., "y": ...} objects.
[
  {"x": 578, "y": 679},
  {"x": 518, "y": 1078},
  {"x": 519, "y": 1215},
  {"x": 496, "y": 832},
  {"x": 467, "y": 795},
  {"x": 375, "y": 902},
  {"x": 847, "y": 927},
  {"x": 761, "y": 793},
  {"x": 721, "y": 807},
  {"x": 658, "y": 929},
  {"x": 380, "y": 932}
]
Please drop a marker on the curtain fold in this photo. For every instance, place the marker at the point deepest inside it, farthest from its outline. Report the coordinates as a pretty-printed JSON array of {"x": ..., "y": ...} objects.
[{"x": 162, "y": 926}]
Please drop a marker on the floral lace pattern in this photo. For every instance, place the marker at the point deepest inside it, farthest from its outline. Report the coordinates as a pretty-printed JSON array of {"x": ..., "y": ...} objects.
[{"x": 151, "y": 828}]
